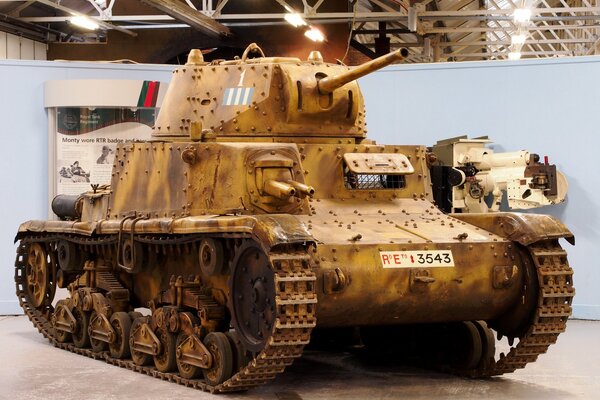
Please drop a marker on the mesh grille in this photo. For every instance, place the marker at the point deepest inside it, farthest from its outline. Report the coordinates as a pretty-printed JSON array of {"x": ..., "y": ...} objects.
[{"x": 373, "y": 181}]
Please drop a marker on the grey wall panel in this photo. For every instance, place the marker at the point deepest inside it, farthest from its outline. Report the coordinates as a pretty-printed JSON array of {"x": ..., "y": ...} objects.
[
  {"x": 2, "y": 45},
  {"x": 27, "y": 49},
  {"x": 40, "y": 51},
  {"x": 13, "y": 47}
]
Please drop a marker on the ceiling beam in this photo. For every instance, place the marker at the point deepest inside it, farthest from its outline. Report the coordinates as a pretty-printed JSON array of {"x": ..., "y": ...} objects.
[
  {"x": 16, "y": 12},
  {"x": 77, "y": 13},
  {"x": 377, "y": 31},
  {"x": 363, "y": 49},
  {"x": 33, "y": 31},
  {"x": 508, "y": 42},
  {"x": 493, "y": 29},
  {"x": 503, "y": 54},
  {"x": 509, "y": 11},
  {"x": 339, "y": 16},
  {"x": 193, "y": 18}
]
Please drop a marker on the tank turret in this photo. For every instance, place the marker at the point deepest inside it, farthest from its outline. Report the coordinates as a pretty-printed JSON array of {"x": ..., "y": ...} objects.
[{"x": 265, "y": 97}]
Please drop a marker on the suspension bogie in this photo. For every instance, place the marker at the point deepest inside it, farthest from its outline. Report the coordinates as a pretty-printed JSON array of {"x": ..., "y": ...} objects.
[{"x": 188, "y": 330}]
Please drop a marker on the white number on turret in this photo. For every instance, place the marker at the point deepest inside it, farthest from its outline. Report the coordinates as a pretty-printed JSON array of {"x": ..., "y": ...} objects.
[{"x": 241, "y": 83}]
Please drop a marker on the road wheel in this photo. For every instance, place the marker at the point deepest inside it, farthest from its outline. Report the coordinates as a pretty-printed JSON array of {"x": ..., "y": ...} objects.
[{"x": 218, "y": 345}]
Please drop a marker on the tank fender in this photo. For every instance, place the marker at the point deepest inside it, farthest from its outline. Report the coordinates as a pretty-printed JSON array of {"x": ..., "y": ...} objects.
[
  {"x": 21, "y": 232},
  {"x": 519, "y": 227},
  {"x": 27, "y": 227},
  {"x": 51, "y": 226},
  {"x": 275, "y": 229}
]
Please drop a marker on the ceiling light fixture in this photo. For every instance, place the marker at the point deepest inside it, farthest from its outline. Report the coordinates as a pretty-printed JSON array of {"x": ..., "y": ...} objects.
[
  {"x": 522, "y": 15},
  {"x": 514, "y": 55},
  {"x": 518, "y": 38},
  {"x": 314, "y": 34},
  {"x": 295, "y": 19},
  {"x": 84, "y": 22}
]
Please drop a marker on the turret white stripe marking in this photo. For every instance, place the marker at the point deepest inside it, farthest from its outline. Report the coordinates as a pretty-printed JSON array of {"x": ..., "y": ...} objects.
[
  {"x": 238, "y": 93},
  {"x": 228, "y": 96},
  {"x": 238, "y": 96},
  {"x": 247, "y": 92}
]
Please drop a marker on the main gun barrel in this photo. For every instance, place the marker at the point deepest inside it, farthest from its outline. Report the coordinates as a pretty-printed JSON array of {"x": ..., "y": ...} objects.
[{"x": 330, "y": 83}]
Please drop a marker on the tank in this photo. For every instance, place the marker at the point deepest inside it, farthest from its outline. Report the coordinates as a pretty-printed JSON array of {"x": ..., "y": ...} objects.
[{"x": 261, "y": 216}]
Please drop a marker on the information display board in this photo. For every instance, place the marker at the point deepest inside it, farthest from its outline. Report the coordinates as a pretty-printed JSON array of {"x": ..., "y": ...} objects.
[
  {"x": 87, "y": 120},
  {"x": 86, "y": 139}
]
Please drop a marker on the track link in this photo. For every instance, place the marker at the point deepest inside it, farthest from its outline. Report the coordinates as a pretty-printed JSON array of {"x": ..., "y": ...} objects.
[{"x": 295, "y": 304}]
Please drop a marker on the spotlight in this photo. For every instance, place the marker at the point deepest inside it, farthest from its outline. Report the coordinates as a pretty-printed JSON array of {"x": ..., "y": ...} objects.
[
  {"x": 518, "y": 38},
  {"x": 314, "y": 34},
  {"x": 522, "y": 15},
  {"x": 84, "y": 22},
  {"x": 514, "y": 55},
  {"x": 295, "y": 19}
]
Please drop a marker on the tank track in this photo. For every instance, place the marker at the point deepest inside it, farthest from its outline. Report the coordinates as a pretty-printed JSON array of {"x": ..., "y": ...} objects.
[
  {"x": 291, "y": 331},
  {"x": 555, "y": 295}
]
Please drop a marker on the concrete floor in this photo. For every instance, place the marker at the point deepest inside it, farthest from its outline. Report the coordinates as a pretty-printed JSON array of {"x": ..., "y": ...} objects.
[{"x": 31, "y": 369}]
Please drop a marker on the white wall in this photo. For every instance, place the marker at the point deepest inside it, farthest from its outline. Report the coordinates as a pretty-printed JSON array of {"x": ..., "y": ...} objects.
[
  {"x": 550, "y": 107},
  {"x": 20, "y": 48},
  {"x": 3, "y": 45},
  {"x": 24, "y": 142}
]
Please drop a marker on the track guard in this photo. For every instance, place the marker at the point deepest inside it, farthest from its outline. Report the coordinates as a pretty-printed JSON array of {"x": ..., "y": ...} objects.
[
  {"x": 522, "y": 228},
  {"x": 278, "y": 229}
]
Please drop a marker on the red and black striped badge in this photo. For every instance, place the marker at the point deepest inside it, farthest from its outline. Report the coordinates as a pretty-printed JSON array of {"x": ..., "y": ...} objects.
[{"x": 149, "y": 94}]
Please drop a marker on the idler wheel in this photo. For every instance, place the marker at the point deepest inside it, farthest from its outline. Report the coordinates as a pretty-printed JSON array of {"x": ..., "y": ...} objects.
[
  {"x": 240, "y": 356},
  {"x": 166, "y": 361},
  {"x": 121, "y": 323},
  {"x": 518, "y": 319},
  {"x": 210, "y": 256},
  {"x": 69, "y": 257},
  {"x": 252, "y": 301},
  {"x": 488, "y": 344},
  {"x": 138, "y": 357},
  {"x": 467, "y": 347},
  {"x": 186, "y": 371},
  {"x": 218, "y": 345},
  {"x": 37, "y": 274},
  {"x": 97, "y": 345},
  {"x": 81, "y": 336}
]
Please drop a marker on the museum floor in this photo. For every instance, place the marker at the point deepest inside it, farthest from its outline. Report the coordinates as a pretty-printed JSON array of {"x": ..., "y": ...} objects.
[{"x": 30, "y": 368}]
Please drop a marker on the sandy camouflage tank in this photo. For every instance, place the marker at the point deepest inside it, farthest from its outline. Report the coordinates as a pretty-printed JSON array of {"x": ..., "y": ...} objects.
[{"x": 260, "y": 214}]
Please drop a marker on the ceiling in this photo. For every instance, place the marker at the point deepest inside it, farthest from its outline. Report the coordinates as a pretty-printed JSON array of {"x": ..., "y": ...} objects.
[{"x": 432, "y": 30}]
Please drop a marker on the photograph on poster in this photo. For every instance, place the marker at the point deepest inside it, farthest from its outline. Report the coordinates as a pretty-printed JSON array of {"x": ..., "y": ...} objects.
[
  {"x": 73, "y": 173},
  {"x": 106, "y": 155}
]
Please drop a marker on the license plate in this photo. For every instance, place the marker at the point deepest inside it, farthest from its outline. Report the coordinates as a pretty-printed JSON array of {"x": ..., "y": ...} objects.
[{"x": 415, "y": 259}]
